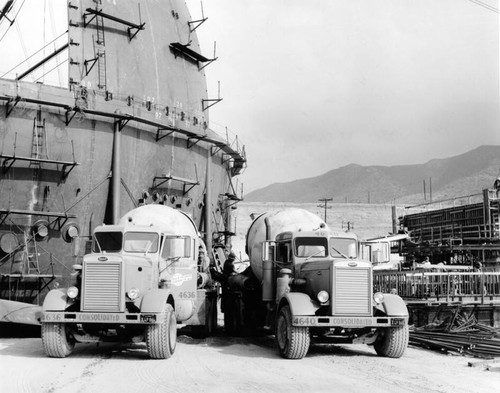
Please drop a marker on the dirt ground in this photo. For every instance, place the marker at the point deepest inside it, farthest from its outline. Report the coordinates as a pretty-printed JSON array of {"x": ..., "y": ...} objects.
[{"x": 224, "y": 364}]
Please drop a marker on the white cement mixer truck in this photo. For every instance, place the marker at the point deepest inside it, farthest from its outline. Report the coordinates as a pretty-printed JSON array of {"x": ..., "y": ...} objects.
[
  {"x": 143, "y": 276},
  {"x": 306, "y": 283}
]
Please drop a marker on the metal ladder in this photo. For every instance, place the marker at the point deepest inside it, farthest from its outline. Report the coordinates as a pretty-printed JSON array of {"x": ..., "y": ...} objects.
[
  {"x": 101, "y": 53},
  {"x": 39, "y": 142},
  {"x": 219, "y": 257},
  {"x": 31, "y": 254}
]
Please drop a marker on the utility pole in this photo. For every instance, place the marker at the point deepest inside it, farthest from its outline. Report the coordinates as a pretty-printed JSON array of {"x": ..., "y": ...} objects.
[
  {"x": 430, "y": 189},
  {"x": 325, "y": 204}
]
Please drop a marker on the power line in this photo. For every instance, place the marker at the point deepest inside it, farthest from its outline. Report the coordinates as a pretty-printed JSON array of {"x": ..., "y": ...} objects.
[
  {"x": 52, "y": 69},
  {"x": 14, "y": 18},
  {"x": 484, "y": 5},
  {"x": 38, "y": 51}
]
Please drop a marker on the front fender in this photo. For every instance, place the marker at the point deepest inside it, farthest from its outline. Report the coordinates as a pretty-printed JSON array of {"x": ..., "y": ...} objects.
[
  {"x": 56, "y": 300},
  {"x": 393, "y": 306},
  {"x": 300, "y": 303},
  {"x": 154, "y": 300}
]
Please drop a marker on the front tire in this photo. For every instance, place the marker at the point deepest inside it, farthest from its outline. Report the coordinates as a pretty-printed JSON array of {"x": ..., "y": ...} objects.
[
  {"x": 392, "y": 342},
  {"x": 161, "y": 339},
  {"x": 293, "y": 341},
  {"x": 57, "y": 340}
]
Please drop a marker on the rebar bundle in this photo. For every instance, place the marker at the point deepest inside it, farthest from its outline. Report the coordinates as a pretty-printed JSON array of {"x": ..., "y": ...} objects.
[{"x": 460, "y": 335}]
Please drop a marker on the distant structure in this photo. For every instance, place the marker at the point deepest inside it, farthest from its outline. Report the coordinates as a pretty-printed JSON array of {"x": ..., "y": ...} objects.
[{"x": 325, "y": 204}]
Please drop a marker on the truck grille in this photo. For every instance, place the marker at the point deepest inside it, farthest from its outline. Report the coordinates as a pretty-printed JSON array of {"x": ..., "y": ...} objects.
[
  {"x": 352, "y": 291},
  {"x": 102, "y": 287}
]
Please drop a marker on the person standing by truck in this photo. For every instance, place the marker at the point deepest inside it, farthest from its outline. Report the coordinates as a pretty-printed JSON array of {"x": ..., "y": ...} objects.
[
  {"x": 228, "y": 268},
  {"x": 203, "y": 260}
]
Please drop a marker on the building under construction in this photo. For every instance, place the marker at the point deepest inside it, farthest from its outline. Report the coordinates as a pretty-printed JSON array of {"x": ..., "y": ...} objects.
[
  {"x": 451, "y": 259},
  {"x": 460, "y": 234}
]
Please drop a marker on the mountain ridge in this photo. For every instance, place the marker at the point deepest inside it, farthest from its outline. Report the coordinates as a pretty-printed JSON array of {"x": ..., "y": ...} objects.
[{"x": 459, "y": 175}]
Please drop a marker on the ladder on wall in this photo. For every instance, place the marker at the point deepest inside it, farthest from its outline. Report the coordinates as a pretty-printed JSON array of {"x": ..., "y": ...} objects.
[
  {"x": 31, "y": 254},
  {"x": 101, "y": 53},
  {"x": 101, "y": 68},
  {"x": 39, "y": 142},
  {"x": 219, "y": 257}
]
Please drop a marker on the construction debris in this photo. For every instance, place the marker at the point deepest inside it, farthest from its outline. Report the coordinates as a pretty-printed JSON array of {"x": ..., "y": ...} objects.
[
  {"x": 460, "y": 334},
  {"x": 489, "y": 365}
]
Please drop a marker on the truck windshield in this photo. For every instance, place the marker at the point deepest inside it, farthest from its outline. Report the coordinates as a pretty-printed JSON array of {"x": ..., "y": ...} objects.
[
  {"x": 341, "y": 247},
  {"x": 140, "y": 242},
  {"x": 107, "y": 242},
  {"x": 311, "y": 247}
]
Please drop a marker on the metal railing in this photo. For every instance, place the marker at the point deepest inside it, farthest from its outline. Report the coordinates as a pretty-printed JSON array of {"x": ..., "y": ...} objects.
[{"x": 466, "y": 287}]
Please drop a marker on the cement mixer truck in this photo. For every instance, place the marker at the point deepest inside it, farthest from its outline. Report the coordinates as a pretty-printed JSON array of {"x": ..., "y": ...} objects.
[
  {"x": 305, "y": 282},
  {"x": 143, "y": 276}
]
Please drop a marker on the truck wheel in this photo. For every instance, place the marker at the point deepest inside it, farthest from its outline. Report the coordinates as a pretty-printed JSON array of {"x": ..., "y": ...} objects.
[
  {"x": 293, "y": 341},
  {"x": 57, "y": 340},
  {"x": 161, "y": 338},
  {"x": 392, "y": 342}
]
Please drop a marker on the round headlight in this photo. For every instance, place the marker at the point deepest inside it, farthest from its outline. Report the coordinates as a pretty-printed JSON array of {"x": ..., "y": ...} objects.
[
  {"x": 133, "y": 293},
  {"x": 378, "y": 297},
  {"x": 323, "y": 296},
  {"x": 72, "y": 292}
]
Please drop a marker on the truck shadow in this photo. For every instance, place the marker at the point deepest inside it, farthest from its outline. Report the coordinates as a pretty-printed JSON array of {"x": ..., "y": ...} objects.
[
  {"x": 257, "y": 346},
  {"x": 265, "y": 346},
  {"x": 345, "y": 350}
]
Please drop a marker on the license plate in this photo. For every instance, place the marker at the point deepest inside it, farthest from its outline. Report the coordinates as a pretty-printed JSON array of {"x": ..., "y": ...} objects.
[
  {"x": 397, "y": 321},
  {"x": 148, "y": 318}
]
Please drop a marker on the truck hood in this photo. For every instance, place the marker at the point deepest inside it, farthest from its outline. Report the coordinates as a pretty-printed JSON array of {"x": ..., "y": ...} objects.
[
  {"x": 323, "y": 263},
  {"x": 139, "y": 259}
]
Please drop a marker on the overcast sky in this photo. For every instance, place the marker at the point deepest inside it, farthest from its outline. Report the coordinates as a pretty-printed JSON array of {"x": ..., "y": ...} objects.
[{"x": 311, "y": 86}]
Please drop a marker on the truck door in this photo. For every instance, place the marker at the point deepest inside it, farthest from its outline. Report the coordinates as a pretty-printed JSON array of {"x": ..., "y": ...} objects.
[{"x": 179, "y": 273}]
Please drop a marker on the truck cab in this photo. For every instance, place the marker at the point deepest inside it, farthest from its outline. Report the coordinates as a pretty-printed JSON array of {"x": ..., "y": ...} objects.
[
  {"x": 326, "y": 292},
  {"x": 150, "y": 258}
]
